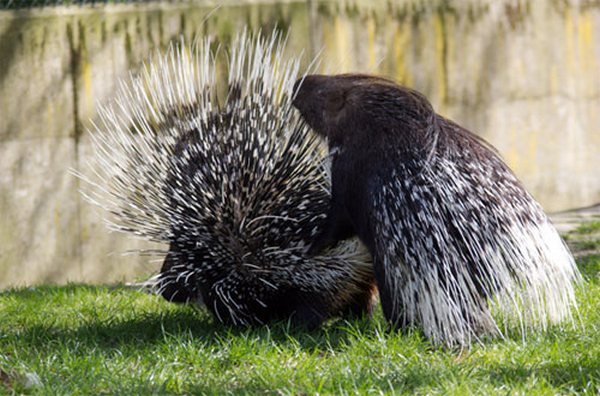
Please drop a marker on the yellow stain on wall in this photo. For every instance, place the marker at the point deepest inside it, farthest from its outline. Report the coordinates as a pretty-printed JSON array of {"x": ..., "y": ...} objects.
[
  {"x": 532, "y": 150},
  {"x": 342, "y": 35},
  {"x": 585, "y": 40},
  {"x": 326, "y": 47},
  {"x": 86, "y": 79},
  {"x": 450, "y": 25},
  {"x": 334, "y": 43},
  {"x": 50, "y": 113},
  {"x": 569, "y": 40},
  {"x": 372, "y": 53},
  {"x": 512, "y": 154},
  {"x": 402, "y": 38},
  {"x": 84, "y": 233},
  {"x": 519, "y": 70},
  {"x": 585, "y": 34},
  {"x": 439, "y": 57}
]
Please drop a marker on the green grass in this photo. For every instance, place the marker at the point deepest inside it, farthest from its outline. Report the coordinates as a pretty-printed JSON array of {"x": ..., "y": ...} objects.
[
  {"x": 113, "y": 340},
  {"x": 588, "y": 228}
]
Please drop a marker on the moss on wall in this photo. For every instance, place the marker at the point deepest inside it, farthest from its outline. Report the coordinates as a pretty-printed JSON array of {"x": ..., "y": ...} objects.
[{"x": 523, "y": 74}]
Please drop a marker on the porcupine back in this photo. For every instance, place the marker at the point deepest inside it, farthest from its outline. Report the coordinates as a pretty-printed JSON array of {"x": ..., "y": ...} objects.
[
  {"x": 464, "y": 239},
  {"x": 237, "y": 189}
]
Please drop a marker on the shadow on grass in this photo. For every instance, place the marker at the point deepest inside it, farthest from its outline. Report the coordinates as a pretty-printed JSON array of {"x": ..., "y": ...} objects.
[
  {"x": 574, "y": 375},
  {"x": 143, "y": 326},
  {"x": 589, "y": 266},
  {"x": 155, "y": 324}
]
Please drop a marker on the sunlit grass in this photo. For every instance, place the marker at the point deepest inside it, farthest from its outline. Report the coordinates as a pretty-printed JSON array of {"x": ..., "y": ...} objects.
[
  {"x": 91, "y": 340},
  {"x": 588, "y": 228}
]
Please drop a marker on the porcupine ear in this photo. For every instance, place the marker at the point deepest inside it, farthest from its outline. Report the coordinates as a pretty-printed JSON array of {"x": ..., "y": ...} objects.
[
  {"x": 334, "y": 105},
  {"x": 334, "y": 102}
]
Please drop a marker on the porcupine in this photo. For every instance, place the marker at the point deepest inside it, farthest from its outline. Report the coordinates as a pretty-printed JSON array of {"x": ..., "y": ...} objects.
[
  {"x": 237, "y": 190},
  {"x": 452, "y": 231}
]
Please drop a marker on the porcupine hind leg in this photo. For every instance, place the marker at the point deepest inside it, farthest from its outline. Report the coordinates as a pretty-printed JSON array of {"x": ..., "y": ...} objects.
[
  {"x": 362, "y": 303},
  {"x": 311, "y": 310},
  {"x": 392, "y": 310},
  {"x": 173, "y": 285},
  {"x": 339, "y": 227}
]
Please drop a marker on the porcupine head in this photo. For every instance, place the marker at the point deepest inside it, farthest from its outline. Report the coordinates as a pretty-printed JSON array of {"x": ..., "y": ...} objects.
[{"x": 450, "y": 228}]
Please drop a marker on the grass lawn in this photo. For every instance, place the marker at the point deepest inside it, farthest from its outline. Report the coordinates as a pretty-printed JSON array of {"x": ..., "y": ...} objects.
[{"x": 89, "y": 340}]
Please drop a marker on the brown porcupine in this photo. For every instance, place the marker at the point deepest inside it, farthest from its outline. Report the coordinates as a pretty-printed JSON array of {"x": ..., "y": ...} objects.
[
  {"x": 453, "y": 234},
  {"x": 237, "y": 190}
]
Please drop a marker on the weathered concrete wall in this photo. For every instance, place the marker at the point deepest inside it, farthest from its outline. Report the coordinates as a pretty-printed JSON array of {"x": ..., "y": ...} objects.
[
  {"x": 56, "y": 66},
  {"x": 525, "y": 74}
]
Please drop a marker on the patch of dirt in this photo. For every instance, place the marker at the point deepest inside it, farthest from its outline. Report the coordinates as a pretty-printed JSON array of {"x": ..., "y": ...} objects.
[
  {"x": 572, "y": 225},
  {"x": 571, "y": 219},
  {"x": 6, "y": 379}
]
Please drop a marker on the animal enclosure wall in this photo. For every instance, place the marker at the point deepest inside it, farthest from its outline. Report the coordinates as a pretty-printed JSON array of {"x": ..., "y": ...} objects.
[{"x": 523, "y": 74}]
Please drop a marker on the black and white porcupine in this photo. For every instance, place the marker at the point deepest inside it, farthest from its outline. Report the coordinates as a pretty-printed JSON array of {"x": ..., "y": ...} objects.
[
  {"x": 453, "y": 234},
  {"x": 237, "y": 188}
]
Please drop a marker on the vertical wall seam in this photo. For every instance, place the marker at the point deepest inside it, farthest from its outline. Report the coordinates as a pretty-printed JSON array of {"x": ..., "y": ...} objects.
[{"x": 75, "y": 69}]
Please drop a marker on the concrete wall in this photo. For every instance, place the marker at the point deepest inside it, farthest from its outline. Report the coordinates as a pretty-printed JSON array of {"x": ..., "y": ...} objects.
[{"x": 524, "y": 74}]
